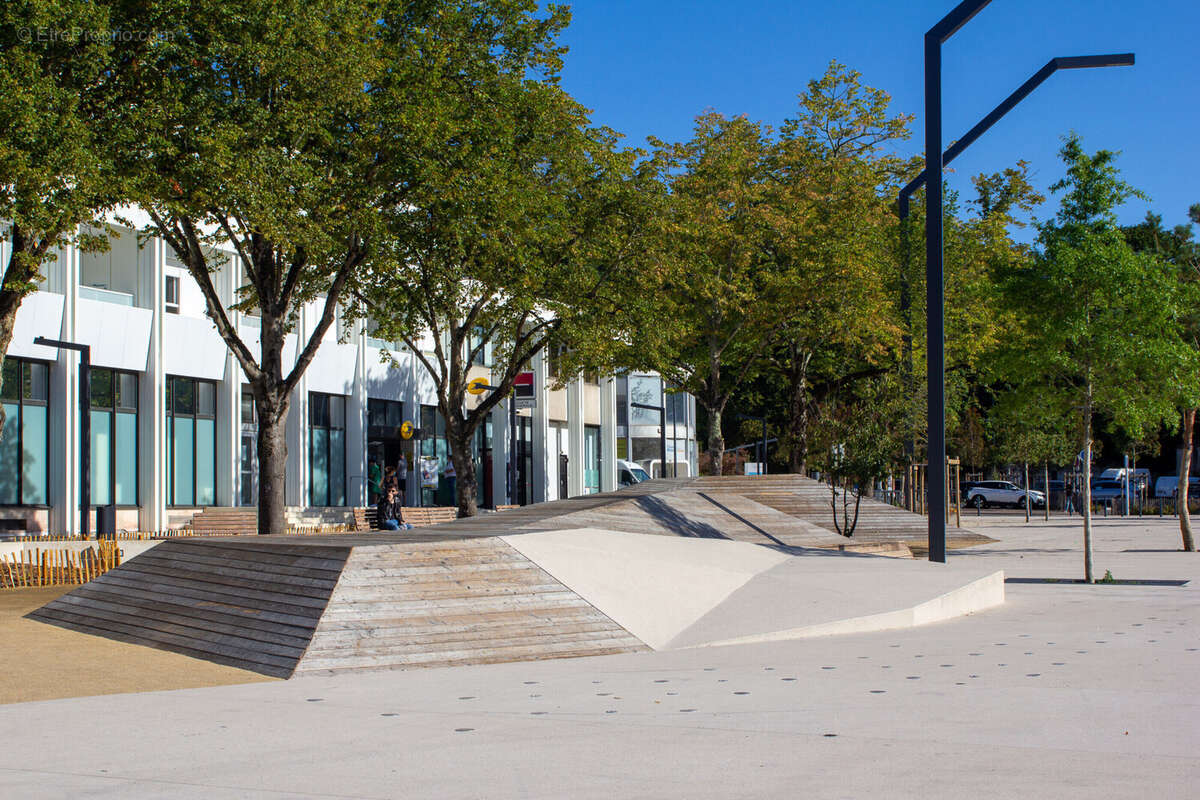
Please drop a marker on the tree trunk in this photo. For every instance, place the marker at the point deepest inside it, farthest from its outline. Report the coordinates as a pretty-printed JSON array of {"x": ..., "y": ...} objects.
[
  {"x": 8, "y": 318},
  {"x": 798, "y": 414},
  {"x": 466, "y": 485},
  {"x": 272, "y": 466},
  {"x": 1182, "y": 487},
  {"x": 1046, "y": 486},
  {"x": 1088, "y": 575},
  {"x": 1026, "y": 465},
  {"x": 716, "y": 442}
]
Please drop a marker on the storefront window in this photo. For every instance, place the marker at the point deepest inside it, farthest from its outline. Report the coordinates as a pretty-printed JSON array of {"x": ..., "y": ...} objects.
[
  {"x": 191, "y": 442},
  {"x": 591, "y": 459},
  {"x": 24, "y": 467},
  {"x": 327, "y": 449},
  {"x": 434, "y": 446},
  {"x": 114, "y": 396}
]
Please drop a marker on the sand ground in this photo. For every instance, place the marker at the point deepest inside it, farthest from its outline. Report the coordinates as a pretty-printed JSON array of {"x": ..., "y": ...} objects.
[{"x": 42, "y": 662}]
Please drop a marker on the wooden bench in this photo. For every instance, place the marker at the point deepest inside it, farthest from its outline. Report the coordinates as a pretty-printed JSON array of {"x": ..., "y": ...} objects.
[{"x": 367, "y": 519}]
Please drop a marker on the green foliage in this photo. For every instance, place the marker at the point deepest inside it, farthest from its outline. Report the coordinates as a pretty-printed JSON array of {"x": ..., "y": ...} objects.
[
  {"x": 1099, "y": 326},
  {"x": 525, "y": 235},
  {"x": 59, "y": 137},
  {"x": 1099, "y": 323}
]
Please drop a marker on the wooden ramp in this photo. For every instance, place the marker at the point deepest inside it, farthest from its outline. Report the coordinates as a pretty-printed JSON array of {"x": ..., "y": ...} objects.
[
  {"x": 279, "y": 607},
  {"x": 467, "y": 601}
]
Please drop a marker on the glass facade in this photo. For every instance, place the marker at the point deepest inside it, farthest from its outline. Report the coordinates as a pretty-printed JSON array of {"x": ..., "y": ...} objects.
[
  {"x": 591, "y": 459},
  {"x": 434, "y": 445},
  {"x": 191, "y": 442},
  {"x": 248, "y": 455},
  {"x": 114, "y": 396},
  {"x": 327, "y": 449},
  {"x": 24, "y": 442}
]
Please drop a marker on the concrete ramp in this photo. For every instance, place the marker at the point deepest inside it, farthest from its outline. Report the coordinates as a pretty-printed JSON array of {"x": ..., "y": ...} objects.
[
  {"x": 821, "y": 595},
  {"x": 653, "y": 586}
]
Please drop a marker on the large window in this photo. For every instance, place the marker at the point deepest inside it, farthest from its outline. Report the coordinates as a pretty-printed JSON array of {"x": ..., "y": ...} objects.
[
  {"x": 114, "y": 397},
  {"x": 24, "y": 445},
  {"x": 327, "y": 449},
  {"x": 384, "y": 416},
  {"x": 435, "y": 446},
  {"x": 591, "y": 459},
  {"x": 248, "y": 457},
  {"x": 191, "y": 442}
]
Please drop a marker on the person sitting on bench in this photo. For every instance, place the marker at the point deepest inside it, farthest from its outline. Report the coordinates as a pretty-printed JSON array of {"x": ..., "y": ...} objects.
[{"x": 389, "y": 514}]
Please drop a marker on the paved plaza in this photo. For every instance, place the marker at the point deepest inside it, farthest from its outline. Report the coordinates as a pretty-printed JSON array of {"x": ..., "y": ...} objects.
[{"x": 1064, "y": 691}]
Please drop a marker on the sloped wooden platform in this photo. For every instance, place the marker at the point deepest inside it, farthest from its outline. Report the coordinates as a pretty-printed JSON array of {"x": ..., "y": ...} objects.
[
  {"x": 451, "y": 593},
  {"x": 466, "y": 601},
  {"x": 242, "y": 603},
  {"x": 277, "y": 606}
]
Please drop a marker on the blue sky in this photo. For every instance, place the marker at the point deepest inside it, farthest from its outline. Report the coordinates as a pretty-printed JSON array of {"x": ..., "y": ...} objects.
[{"x": 648, "y": 68}]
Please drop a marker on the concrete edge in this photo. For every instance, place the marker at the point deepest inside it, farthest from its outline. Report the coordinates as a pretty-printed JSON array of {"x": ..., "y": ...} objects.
[{"x": 978, "y": 595}]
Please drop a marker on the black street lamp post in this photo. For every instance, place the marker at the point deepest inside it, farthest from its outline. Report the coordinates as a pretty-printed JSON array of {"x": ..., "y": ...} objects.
[
  {"x": 85, "y": 426},
  {"x": 934, "y": 268}
]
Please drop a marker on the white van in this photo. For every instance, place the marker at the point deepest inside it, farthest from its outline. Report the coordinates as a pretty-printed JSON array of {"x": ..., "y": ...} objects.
[
  {"x": 629, "y": 473},
  {"x": 1165, "y": 486}
]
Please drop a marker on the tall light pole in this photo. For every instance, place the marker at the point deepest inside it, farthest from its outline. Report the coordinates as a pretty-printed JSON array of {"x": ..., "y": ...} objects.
[{"x": 935, "y": 160}]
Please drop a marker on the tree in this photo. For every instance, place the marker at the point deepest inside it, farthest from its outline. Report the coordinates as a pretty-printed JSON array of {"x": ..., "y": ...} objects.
[
  {"x": 834, "y": 175},
  {"x": 1099, "y": 325},
  {"x": 244, "y": 149},
  {"x": 726, "y": 285},
  {"x": 60, "y": 138},
  {"x": 1178, "y": 248},
  {"x": 861, "y": 443},
  {"x": 525, "y": 238}
]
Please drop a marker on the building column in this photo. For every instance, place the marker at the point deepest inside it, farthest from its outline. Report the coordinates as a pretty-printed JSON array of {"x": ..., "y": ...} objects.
[
  {"x": 152, "y": 395},
  {"x": 501, "y": 447},
  {"x": 63, "y": 491},
  {"x": 575, "y": 451},
  {"x": 229, "y": 403},
  {"x": 608, "y": 434},
  {"x": 543, "y": 448},
  {"x": 356, "y": 422},
  {"x": 296, "y": 474},
  {"x": 412, "y": 412}
]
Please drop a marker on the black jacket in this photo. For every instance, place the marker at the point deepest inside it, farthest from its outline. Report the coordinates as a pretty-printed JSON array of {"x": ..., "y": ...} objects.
[{"x": 385, "y": 511}]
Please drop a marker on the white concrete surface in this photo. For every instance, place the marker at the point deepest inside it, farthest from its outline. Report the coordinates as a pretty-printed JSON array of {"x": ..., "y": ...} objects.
[
  {"x": 822, "y": 595},
  {"x": 1065, "y": 691},
  {"x": 653, "y": 586}
]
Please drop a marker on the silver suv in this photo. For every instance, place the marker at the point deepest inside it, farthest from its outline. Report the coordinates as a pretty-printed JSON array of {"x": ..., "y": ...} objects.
[{"x": 1003, "y": 493}]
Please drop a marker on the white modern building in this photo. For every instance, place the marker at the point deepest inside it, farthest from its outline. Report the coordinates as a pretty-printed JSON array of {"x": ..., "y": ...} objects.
[{"x": 172, "y": 424}]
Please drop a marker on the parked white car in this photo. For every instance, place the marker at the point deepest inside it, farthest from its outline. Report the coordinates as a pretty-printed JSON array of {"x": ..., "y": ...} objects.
[{"x": 1003, "y": 493}]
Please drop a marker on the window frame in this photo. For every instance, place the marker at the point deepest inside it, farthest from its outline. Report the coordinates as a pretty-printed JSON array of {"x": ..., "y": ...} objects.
[
  {"x": 23, "y": 364},
  {"x": 327, "y": 399},
  {"x": 113, "y": 408},
  {"x": 193, "y": 416}
]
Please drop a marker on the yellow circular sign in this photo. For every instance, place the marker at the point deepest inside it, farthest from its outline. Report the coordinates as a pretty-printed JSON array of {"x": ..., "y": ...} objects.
[
  {"x": 406, "y": 430},
  {"x": 477, "y": 386}
]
